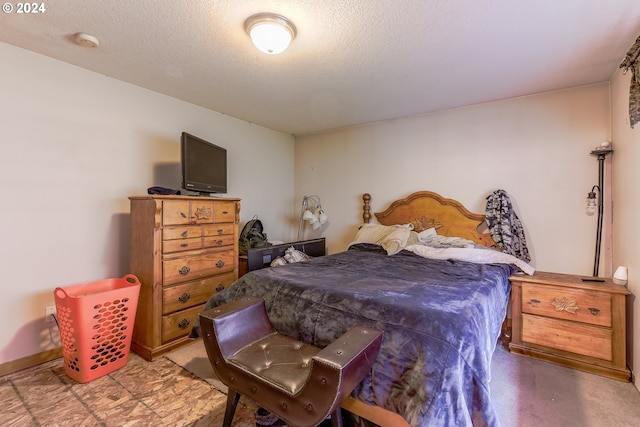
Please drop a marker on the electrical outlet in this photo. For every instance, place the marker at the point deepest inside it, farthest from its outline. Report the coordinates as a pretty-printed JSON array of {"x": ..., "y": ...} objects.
[{"x": 49, "y": 312}]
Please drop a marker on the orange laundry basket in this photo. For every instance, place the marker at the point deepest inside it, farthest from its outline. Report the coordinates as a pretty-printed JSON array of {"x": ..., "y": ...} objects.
[{"x": 96, "y": 325}]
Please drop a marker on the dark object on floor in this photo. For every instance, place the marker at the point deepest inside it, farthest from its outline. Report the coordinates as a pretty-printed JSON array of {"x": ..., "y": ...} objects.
[
  {"x": 162, "y": 190},
  {"x": 265, "y": 418},
  {"x": 299, "y": 383}
]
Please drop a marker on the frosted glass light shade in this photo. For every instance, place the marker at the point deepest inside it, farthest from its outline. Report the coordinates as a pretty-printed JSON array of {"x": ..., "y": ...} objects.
[
  {"x": 309, "y": 216},
  {"x": 269, "y": 32},
  {"x": 322, "y": 217}
]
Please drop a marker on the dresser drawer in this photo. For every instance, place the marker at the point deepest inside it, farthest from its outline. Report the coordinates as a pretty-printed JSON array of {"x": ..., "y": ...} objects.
[
  {"x": 179, "y": 323},
  {"x": 224, "y": 211},
  {"x": 185, "y": 295},
  {"x": 580, "y": 306},
  {"x": 578, "y": 338},
  {"x": 218, "y": 241},
  {"x": 218, "y": 229},
  {"x": 169, "y": 246},
  {"x": 184, "y": 268},
  {"x": 182, "y": 232},
  {"x": 176, "y": 212}
]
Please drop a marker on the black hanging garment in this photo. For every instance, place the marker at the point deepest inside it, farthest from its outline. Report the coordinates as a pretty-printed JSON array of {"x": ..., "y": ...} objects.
[{"x": 505, "y": 226}]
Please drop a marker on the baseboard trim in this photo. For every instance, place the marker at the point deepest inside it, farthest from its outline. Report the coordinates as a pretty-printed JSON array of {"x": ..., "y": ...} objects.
[{"x": 30, "y": 361}]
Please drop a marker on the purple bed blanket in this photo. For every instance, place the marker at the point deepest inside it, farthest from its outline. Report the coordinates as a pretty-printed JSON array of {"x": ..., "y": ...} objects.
[{"x": 441, "y": 322}]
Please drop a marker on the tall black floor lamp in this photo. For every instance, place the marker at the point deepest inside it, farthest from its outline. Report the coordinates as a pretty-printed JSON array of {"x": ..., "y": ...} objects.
[{"x": 601, "y": 153}]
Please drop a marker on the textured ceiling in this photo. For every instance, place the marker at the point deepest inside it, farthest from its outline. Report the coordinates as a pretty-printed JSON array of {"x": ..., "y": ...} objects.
[{"x": 352, "y": 62}]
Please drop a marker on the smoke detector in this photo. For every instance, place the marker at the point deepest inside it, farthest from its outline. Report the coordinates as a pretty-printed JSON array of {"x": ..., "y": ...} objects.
[{"x": 86, "y": 40}]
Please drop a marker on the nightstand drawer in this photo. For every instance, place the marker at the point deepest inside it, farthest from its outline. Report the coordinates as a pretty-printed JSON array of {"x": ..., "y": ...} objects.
[
  {"x": 579, "y": 306},
  {"x": 592, "y": 341}
]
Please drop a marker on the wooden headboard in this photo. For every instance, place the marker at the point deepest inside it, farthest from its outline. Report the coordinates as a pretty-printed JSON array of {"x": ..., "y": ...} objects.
[{"x": 425, "y": 209}]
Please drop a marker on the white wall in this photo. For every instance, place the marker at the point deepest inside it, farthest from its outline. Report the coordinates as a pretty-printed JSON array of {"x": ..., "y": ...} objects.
[
  {"x": 537, "y": 148},
  {"x": 73, "y": 146},
  {"x": 626, "y": 175}
]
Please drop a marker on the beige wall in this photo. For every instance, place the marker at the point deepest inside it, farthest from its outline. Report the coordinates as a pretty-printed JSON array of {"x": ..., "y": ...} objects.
[
  {"x": 626, "y": 200},
  {"x": 536, "y": 148},
  {"x": 73, "y": 145}
]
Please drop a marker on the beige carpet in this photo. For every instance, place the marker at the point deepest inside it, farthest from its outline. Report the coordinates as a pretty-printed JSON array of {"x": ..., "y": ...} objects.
[
  {"x": 193, "y": 358},
  {"x": 525, "y": 392},
  {"x": 528, "y": 392}
]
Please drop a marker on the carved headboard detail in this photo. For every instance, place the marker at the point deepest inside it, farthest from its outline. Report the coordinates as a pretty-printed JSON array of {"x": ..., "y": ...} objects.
[{"x": 425, "y": 209}]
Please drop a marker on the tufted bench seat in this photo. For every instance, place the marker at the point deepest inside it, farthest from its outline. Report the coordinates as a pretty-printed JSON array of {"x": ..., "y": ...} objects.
[{"x": 300, "y": 383}]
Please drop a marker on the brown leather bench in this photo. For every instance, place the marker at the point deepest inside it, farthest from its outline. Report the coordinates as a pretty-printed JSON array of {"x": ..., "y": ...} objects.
[{"x": 300, "y": 383}]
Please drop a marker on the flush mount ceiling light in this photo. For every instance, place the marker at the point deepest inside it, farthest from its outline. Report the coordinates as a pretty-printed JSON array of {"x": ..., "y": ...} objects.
[{"x": 269, "y": 32}]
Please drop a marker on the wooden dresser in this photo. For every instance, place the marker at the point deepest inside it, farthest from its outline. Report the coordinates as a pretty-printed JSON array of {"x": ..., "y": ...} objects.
[
  {"x": 183, "y": 249},
  {"x": 562, "y": 319}
]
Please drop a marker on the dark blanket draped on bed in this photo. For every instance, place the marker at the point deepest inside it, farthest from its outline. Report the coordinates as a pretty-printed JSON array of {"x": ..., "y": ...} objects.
[{"x": 441, "y": 321}]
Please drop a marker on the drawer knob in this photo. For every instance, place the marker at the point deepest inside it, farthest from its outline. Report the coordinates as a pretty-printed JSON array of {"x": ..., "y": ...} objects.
[
  {"x": 219, "y": 242},
  {"x": 183, "y": 215},
  {"x": 220, "y": 287},
  {"x": 565, "y": 304},
  {"x": 184, "y": 245},
  {"x": 220, "y": 230},
  {"x": 184, "y": 324},
  {"x": 184, "y": 270},
  {"x": 594, "y": 310},
  {"x": 220, "y": 264},
  {"x": 184, "y": 297},
  {"x": 185, "y": 233}
]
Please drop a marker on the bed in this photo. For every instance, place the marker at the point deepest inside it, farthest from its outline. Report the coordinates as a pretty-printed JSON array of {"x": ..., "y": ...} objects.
[{"x": 441, "y": 312}]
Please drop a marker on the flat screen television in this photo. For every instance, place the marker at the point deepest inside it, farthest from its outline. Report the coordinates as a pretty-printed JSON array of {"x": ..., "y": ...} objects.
[{"x": 204, "y": 165}]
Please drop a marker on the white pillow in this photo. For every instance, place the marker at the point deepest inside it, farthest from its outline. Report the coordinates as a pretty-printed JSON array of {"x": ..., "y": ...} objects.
[{"x": 392, "y": 238}]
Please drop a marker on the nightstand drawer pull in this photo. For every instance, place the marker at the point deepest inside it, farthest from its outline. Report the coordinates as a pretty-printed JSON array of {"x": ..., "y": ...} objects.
[
  {"x": 535, "y": 301},
  {"x": 565, "y": 304},
  {"x": 219, "y": 242},
  {"x": 594, "y": 310},
  {"x": 220, "y": 287},
  {"x": 184, "y": 233},
  {"x": 184, "y": 297},
  {"x": 220, "y": 264},
  {"x": 184, "y": 270},
  {"x": 184, "y": 324}
]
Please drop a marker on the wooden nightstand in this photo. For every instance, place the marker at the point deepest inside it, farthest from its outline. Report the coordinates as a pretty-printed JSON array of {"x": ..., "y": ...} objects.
[{"x": 562, "y": 319}]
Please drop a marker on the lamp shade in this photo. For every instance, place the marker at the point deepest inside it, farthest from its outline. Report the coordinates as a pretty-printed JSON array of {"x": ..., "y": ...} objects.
[
  {"x": 309, "y": 216},
  {"x": 269, "y": 32},
  {"x": 322, "y": 217},
  {"x": 311, "y": 211}
]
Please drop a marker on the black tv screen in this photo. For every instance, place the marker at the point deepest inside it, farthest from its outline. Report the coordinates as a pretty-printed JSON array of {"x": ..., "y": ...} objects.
[{"x": 204, "y": 165}]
